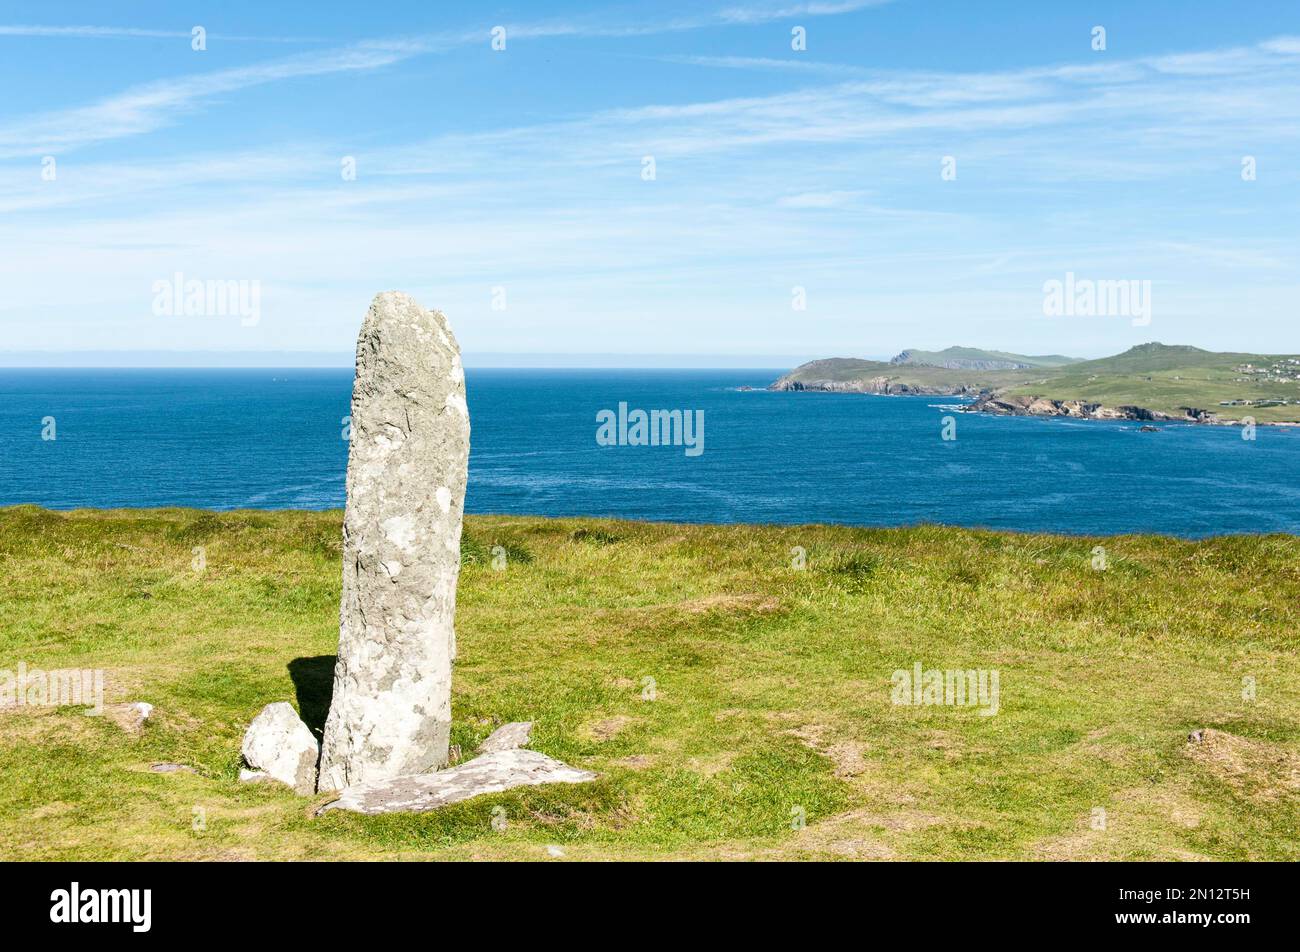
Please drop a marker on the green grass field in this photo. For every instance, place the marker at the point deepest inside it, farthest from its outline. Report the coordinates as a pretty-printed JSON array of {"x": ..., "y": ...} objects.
[{"x": 771, "y": 691}]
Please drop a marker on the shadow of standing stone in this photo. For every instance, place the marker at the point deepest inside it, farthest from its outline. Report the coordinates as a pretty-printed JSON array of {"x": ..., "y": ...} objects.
[{"x": 313, "y": 681}]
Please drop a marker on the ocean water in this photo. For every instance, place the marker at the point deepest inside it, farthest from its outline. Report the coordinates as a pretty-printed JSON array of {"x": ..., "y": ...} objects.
[{"x": 224, "y": 439}]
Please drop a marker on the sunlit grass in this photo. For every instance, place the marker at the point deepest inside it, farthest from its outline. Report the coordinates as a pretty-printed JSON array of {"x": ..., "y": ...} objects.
[{"x": 733, "y": 705}]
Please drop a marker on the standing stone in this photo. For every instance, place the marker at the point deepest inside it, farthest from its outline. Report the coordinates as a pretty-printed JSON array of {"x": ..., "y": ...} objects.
[{"x": 391, "y": 711}]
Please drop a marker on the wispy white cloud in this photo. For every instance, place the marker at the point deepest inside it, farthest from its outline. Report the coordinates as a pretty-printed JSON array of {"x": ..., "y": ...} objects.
[
  {"x": 834, "y": 187},
  {"x": 1137, "y": 119},
  {"x": 817, "y": 199},
  {"x": 130, "y": 32},
  {"x": 766, "y": 12},
  {"x": 793, "y": 64},
  {"x": 1285, "y": 45},
  {"x": 150, "y": 106},
  {"x": 531, "y": 30}
]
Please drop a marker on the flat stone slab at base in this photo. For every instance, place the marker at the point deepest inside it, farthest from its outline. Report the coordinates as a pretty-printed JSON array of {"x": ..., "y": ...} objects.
[
  {"x": 507, "y": 737},
  {"x": 490, "y": 773}
]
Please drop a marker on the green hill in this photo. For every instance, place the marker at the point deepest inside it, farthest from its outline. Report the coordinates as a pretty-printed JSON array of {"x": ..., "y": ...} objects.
[
  {"x": 1161, "y": 378},
  {"x": 846, "y": 374},
  {"x": 975, "y": 358},
  {"x": 1167, "y": 378}
]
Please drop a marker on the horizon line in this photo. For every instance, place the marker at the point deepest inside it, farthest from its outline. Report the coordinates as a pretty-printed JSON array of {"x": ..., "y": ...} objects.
[
  {"x": 330, "y": 360},
  {"x": 142, "y": 359}
]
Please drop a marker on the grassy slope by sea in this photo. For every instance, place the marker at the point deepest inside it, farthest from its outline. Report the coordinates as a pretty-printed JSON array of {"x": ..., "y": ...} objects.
[
  {"x": 851, "y": 373},
  {"x": 954, "y": 356},
  {"x": 1165, "y": 377},
  {"x": 1154, "y": 376},
  {"x": 772, "y": 691}
]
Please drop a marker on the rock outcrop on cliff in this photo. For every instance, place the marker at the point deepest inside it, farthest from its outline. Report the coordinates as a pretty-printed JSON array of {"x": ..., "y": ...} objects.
[
  {"x": 1079, "y": 409},
  {"x": 886, "y": 385}
]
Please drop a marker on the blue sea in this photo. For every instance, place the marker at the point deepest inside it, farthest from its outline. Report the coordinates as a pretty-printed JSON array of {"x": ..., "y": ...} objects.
[{"x": 273, "y": 439}]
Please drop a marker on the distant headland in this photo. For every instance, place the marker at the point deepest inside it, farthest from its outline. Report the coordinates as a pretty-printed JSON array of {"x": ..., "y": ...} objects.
[{"x": 1150, "y": 382}]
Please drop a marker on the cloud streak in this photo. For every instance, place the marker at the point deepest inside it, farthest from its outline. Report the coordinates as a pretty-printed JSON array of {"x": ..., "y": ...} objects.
[
  {"x": 130, "y": 32},
  {"x": 148, "y": 107},
  {"x": 833, "y": 184}
]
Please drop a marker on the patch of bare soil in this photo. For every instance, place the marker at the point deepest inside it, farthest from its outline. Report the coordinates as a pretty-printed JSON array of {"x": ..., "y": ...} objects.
[
  {"x": 1256, "y": 768},
  {"x": 857, "y": 833},
  {"x": 609, "y": 727},
  {"x": 845, "y": 755},
  {"x": 711, "y": 766},
  {"x": 900, "y": 821},
  {"x": 748, "y": 603},
  {"x": 130, "y": 717},
  {"x": 951, "y": 745},
  {"x": 1149, "y": 818},
  {"x": 759, "y": 604}
]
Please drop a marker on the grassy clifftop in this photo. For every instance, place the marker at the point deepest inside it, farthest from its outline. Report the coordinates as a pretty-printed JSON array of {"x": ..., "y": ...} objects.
[
  {"x": 1159, "y": 377},
  {"x": 768, "y": 729},
  {"x": 876, "y": 376},
  {"x": 957, "y": 357},
  {"x": 1165, "y": 378}
]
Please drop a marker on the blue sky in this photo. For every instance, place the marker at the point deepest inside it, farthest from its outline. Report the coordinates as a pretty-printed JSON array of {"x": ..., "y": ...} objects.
[{"x": 507, "y": 187}]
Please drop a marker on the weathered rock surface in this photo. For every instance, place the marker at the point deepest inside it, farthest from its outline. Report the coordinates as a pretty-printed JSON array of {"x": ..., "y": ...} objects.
[
  {"x": 1041, "y": 406},
  {"x": 391, "y": 711},
  {"x": 1079, "y": 409},
  {"x": 281, "y": 746},
  {"x": 882, "y": 384},
  {"x": 490, "y": 773},
  {"x": 507, "y": 737}
]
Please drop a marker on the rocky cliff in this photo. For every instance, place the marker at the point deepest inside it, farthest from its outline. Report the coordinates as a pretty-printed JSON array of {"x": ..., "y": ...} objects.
[
  {"x": 876, "y": 385},
  {"x": 1041, "y": 406},
  {"x": 961, "y": 363}
]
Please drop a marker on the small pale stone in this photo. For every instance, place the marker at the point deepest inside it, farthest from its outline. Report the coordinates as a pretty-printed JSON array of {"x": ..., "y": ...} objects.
[
  {"x": 253, "y": 776},
  {"x": 279, "y": 744},
  {"x": 407, "y": 464},
  {"x": 171, "y": 768},
  {"x": 507, "y": 737},
  {"x": 130, "y": 717},
  {"x": 490, "y": 773}
]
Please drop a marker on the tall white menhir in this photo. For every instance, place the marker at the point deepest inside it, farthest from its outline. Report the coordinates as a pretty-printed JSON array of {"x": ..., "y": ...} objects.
[{"x": 407, "y": 465}]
